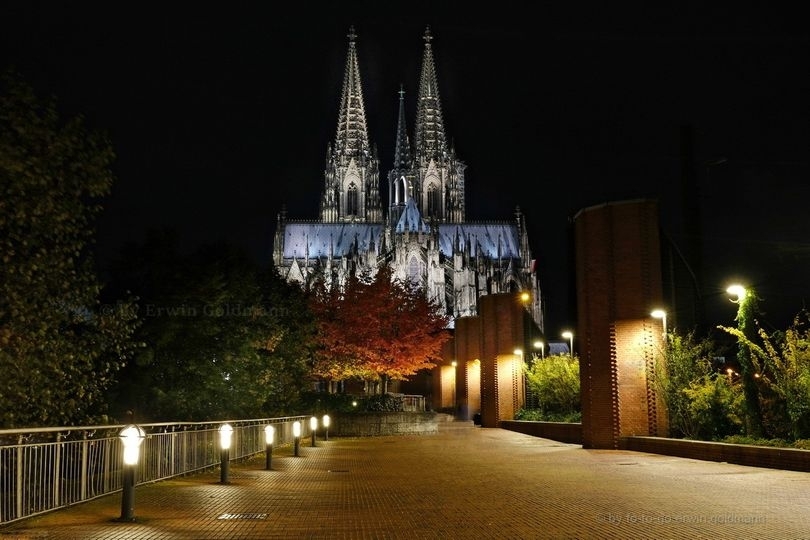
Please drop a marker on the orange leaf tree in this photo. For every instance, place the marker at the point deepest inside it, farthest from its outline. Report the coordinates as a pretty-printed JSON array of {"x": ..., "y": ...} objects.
[{"x": 377, "y": 329}]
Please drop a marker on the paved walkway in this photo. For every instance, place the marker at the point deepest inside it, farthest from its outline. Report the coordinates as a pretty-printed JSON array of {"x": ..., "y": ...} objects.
[{"x": 464, "y": 482}]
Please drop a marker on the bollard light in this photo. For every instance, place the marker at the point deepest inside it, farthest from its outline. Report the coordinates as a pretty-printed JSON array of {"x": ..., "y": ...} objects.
[
  {"x": 313, "y": 427},
  {"x": 131, "y": 437},
  {"x": 325, "y": 422},
  {"x": 296, "y": 436},
  {"x": 225, "y": 435},
  {"x": 269, "y": 435}
]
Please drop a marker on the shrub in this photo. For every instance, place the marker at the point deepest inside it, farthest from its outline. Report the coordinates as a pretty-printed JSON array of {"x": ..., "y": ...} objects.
[{"x": 555, "y": 381}]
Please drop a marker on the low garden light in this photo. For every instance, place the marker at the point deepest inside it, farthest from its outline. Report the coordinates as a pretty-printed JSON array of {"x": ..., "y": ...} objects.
[
  {"x": 296, "y": 436},
  {"x": 325, "y": 421},
  {"x": 131, "y": 437},
  {"x": 313, "y": 427},
  {"x": 225, "y": 436},
  {"x": 269, "y": 435}
]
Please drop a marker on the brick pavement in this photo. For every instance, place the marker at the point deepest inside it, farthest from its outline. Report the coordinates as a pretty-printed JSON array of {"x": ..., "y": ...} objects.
[{"x": 463, "y": 482}]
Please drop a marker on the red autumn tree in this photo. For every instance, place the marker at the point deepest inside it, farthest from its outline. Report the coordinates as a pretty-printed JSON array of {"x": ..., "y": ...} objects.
[{"x": 378, "y": 329}]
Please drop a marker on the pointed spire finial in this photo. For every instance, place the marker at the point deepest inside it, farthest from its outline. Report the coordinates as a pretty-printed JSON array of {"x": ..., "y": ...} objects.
[
  {"x": 352, "y": 35},
  {"x": 428, "y": 37},
  {"x": 401, "y": 91}
]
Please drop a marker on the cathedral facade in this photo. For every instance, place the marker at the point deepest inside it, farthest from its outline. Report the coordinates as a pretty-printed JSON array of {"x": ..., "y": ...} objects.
[{"x": 423, "y": 233}]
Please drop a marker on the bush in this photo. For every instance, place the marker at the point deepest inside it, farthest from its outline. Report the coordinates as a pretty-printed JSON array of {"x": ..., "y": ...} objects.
[{"x": 555, "y": 381}]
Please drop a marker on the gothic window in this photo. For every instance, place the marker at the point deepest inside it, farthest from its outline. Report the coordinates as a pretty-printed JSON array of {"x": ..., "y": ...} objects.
[
  {"x": 434, "y": 202},
  {"x": 352, "y": 208},
  {"x": 400, "y": 190},
  {"x": 414, "y": 270}
]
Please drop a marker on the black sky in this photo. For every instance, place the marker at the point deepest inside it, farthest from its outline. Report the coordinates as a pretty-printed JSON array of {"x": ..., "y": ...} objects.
[{"x": 219, "y": 115}]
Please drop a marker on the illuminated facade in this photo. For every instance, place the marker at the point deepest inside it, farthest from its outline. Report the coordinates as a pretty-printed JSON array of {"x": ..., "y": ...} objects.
[{"x": 423, "y": 233}]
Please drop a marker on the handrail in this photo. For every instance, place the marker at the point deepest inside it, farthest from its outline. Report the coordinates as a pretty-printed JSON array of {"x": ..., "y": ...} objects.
[{"x": 43, "y": 469}]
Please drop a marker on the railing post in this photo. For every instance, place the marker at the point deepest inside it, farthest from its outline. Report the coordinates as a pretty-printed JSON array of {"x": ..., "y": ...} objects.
[
  {"x": 57, "y": 470},
  {"x": 83, "y": 483},
  {"x": 19, "y": 477}
]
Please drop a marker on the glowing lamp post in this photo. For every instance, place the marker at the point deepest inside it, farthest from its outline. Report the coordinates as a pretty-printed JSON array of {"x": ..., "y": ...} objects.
[
  {"x": 225, "y": 435},
  {"x": 746, "y": 306},
  {"x": 313, "y": 427},
  {"x": 325, "y": 422},
  {"x": 570, "y": 337},
  {"x": 542, "y": 347},
  {"x": 131, "y": 436},
  {"x": 296, "y": 436},
  {"x": 269, "y": 435},
  {"x": 661, "y": 314}
]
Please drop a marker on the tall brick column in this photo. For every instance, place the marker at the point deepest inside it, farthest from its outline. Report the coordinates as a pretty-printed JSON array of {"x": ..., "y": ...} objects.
[
  {"x": 618, "y": 283},
  {"x": 502, "y": 332},
  {"x": 467, "y": 342}
]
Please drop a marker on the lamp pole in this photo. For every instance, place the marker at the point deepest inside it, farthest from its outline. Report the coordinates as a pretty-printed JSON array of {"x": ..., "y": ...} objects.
[
  {"x": 131, "y": 436},
  {"x": 269, "y": 435},
  {"x": 746, "y": 305},
  {"x": 296, "y": 437},
  {"x": 661, "y": 314},
  {"x": 570, "y": 337},
  {"x": 225, "y": 433},
  {"x": 542, "y": 346}
]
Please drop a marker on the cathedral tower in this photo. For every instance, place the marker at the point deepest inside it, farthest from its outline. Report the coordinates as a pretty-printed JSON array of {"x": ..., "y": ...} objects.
[
  {"x": 352, "y": 184},
  {"x": 439, "y": 185}
]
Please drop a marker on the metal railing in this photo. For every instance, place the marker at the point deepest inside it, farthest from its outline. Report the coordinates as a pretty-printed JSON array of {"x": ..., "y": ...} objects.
[{"x": 43, "y": 469}]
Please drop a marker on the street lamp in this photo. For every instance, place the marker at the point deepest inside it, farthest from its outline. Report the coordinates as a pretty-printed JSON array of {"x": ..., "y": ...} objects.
[
  {"x": 131, "y": 436},
  {"x": 570, "y": 337},
  {"x": 738, "y": 291},
  {"x": 313, "y": 427},
  {"x": 296, "y": 436},
  {"x": 225, "y": 434},
  {"x": 326, "y": 420},
  {"x": 746, "y": 305},
  {"x": 269, "y": 435},
  {"x": 542, "y": 346},
  {"x": 661, "y": 314}
]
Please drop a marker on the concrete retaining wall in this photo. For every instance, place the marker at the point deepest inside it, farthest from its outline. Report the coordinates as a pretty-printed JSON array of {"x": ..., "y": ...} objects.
[
  {"x": 789, "y": 459},
  {"x": 556, "y": 431},
  {"x": 369, "y": 424}
]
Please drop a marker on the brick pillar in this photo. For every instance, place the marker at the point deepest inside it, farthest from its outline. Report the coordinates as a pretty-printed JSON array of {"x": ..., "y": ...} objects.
[
  {"x": 618, "y": 283},
  {"x": 502, "y": 332},
  {"x": 467, "y": 340}
]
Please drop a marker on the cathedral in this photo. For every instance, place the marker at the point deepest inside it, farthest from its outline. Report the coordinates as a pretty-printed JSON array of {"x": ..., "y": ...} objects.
[{"x": 423, "y": 233}]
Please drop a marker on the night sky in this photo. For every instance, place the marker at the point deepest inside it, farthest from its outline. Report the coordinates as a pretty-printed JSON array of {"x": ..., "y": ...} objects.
[{"x": 219, "y": 115}]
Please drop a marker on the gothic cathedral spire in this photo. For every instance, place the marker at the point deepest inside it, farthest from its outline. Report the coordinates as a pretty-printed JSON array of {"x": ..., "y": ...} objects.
[
  {"x": 352, "y": 184},
  {"x": 400, "y": 178},
  {"x": 439, "y": 176}
]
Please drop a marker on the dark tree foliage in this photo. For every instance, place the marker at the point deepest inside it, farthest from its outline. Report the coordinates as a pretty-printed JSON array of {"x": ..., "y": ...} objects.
[
  {"x": 223, "y": 338},
  {"x": 60, "y": 348}
]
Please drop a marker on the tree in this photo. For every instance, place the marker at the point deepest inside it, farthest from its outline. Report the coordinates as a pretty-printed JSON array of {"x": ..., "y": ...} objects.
[
  {"x": 380, "y": 329},
  {"x": 786, "y": 374},
  {"x": 223, "y": 337},
  {"x": 700, "y": 402},
  {"x": 60, "y": 348}
]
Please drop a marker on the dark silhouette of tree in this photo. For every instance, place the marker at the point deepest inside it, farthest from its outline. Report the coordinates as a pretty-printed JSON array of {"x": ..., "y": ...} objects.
[{"x": 60, "y": 348}]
